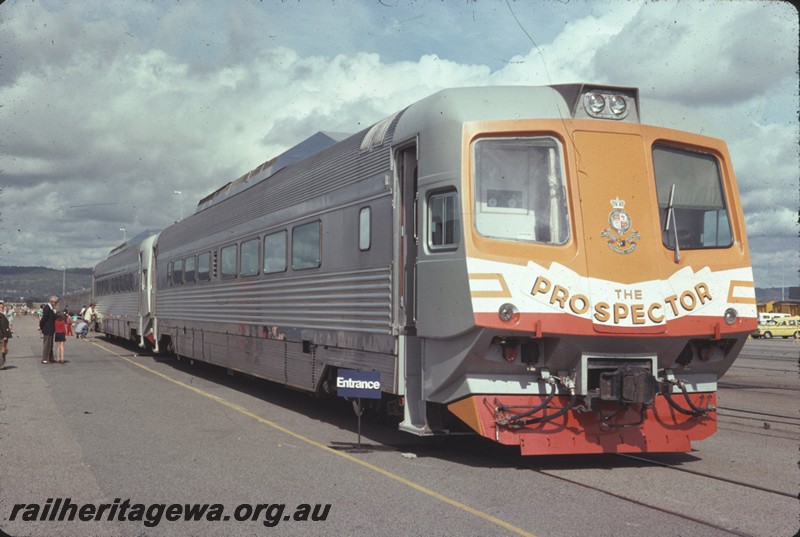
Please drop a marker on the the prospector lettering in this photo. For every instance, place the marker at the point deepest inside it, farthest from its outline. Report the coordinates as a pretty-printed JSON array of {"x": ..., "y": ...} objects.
[{"x": 637, "y": 313}]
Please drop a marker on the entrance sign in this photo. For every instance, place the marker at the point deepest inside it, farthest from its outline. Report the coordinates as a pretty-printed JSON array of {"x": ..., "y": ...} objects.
[
  {"x": 363, "y": 384},
  {"x": 357, "y": 385}
]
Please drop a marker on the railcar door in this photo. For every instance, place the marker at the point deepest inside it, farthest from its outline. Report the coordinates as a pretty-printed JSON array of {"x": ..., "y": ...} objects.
[
  {"x": 406, "y": 161},
  {"x": 410, "y": 359},
  {"x": 147, "y": 275}
]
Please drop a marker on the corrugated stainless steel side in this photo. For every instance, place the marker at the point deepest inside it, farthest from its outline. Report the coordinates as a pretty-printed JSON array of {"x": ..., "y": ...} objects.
[
  {"x": 349, "y": 301},
  {"x": 118, "y": 313}
]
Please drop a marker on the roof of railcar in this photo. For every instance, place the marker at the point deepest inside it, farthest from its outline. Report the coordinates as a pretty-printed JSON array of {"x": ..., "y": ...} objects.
[
  {"x": 457, "y": 105},
  {"x": 308, "y": 147},
  {"x": 126, "y": 253}
]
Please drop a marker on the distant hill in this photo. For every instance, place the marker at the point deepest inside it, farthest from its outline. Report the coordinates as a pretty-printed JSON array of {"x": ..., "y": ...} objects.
[
  {"x": 36, "y": 284},
  {"x": 778, "y": 294}
]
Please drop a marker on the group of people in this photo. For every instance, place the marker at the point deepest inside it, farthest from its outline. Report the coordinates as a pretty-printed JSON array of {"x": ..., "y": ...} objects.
[{"x": 56, "y": 326}]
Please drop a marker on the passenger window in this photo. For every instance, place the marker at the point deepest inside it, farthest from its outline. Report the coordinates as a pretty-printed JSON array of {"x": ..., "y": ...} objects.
[
  {"x": 248, "y": 265},
  {"x": 228, "y": 261},
  {"x": 177, "y": 271},
  {"x": 170, "y": 280},
  {"x": 698, "y": 215},
  {"x": 188, "y": 269},
  {"x": 364, "y": 229},
  {"x": 204, "y": 267},
  {"x": 444, "y": 221},
  {"x": 275, "y": 252},
  {"x": 306, "y": 246}
]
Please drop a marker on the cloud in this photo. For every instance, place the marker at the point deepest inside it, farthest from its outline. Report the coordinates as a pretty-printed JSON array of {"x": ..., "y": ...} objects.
[{"x": 704, "y": 52}]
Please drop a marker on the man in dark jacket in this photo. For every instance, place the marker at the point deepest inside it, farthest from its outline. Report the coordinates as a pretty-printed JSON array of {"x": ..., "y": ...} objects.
[
  {"x": 47, "y": 324},
  {"x": 5, "y": 333}
]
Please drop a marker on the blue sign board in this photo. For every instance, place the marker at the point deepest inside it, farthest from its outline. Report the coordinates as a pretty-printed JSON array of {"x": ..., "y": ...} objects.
[{"x": 352, "y": 383}]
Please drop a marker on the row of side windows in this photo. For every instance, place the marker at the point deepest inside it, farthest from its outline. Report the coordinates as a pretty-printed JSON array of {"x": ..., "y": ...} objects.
[
  {"x": 243, "y": 259},
  {"x": 118, "y": 283},
  {"x": 249, "y": 258}
]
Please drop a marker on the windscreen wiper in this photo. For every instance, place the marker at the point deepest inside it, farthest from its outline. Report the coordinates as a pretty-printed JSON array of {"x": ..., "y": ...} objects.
[{"x": 671, "y": 219}]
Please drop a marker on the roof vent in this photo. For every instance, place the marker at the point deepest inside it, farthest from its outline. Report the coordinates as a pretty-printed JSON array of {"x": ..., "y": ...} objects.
[{"x": 375, "y": 136}]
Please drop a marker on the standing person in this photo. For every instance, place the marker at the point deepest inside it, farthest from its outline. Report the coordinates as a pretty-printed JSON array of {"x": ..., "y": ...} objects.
[
  {"x": 60, "y": 337},
  {"x": 68, "y": 322},
  {"x": 88, "y": 313},
  {"x": 96, "y": 319},
  {"x": 9, "y": 315},
  {"x": 5, "y": 333},
  {"x": 47, "y": 324}
]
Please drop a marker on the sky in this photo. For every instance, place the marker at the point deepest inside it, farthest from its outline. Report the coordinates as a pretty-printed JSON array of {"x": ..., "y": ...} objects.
[{"x": 108, "y": 107}]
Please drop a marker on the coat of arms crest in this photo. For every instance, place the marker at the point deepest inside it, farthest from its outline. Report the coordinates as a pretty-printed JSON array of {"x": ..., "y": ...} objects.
[{"x": 620, "y": 222}]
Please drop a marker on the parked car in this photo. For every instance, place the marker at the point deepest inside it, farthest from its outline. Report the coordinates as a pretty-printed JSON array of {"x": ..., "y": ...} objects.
[{"x": 784, "y": 327}]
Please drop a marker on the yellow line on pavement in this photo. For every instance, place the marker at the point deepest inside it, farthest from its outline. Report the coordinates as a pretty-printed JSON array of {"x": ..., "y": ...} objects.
[{"x": 365, "y": 464}]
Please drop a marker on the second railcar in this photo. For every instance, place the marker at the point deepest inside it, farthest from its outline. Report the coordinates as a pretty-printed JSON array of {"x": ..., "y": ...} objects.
[{"x": 124, "y": 293}]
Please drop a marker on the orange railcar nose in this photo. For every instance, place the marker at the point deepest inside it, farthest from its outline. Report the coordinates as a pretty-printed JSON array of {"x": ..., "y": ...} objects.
[{"x": 619, "y": 233}]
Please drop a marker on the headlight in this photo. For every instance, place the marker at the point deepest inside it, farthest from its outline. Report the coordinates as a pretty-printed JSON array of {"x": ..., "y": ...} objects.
[
  {"x": 594, "y": 103},
  {"x": 731, "y": 315},
  {"x": 618, "y": 104},
  {"x": 507, "y": 312}
]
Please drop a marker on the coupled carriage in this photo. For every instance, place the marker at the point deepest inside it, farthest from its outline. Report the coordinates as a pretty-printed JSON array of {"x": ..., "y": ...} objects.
[{"x": 536, "y": 264}]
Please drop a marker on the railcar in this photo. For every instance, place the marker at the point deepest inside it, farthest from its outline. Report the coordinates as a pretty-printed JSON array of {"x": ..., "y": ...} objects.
[
  {"x": 124, "y": 293},
  {"x": 536, "y": 264}
]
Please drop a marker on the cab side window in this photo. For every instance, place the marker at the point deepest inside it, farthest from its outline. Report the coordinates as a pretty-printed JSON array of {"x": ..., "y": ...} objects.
[{"x": 444, "y": 221}]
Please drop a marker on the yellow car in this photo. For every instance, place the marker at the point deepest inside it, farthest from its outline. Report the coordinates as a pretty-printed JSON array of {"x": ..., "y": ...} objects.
[{"x": 784, "y": 327}]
